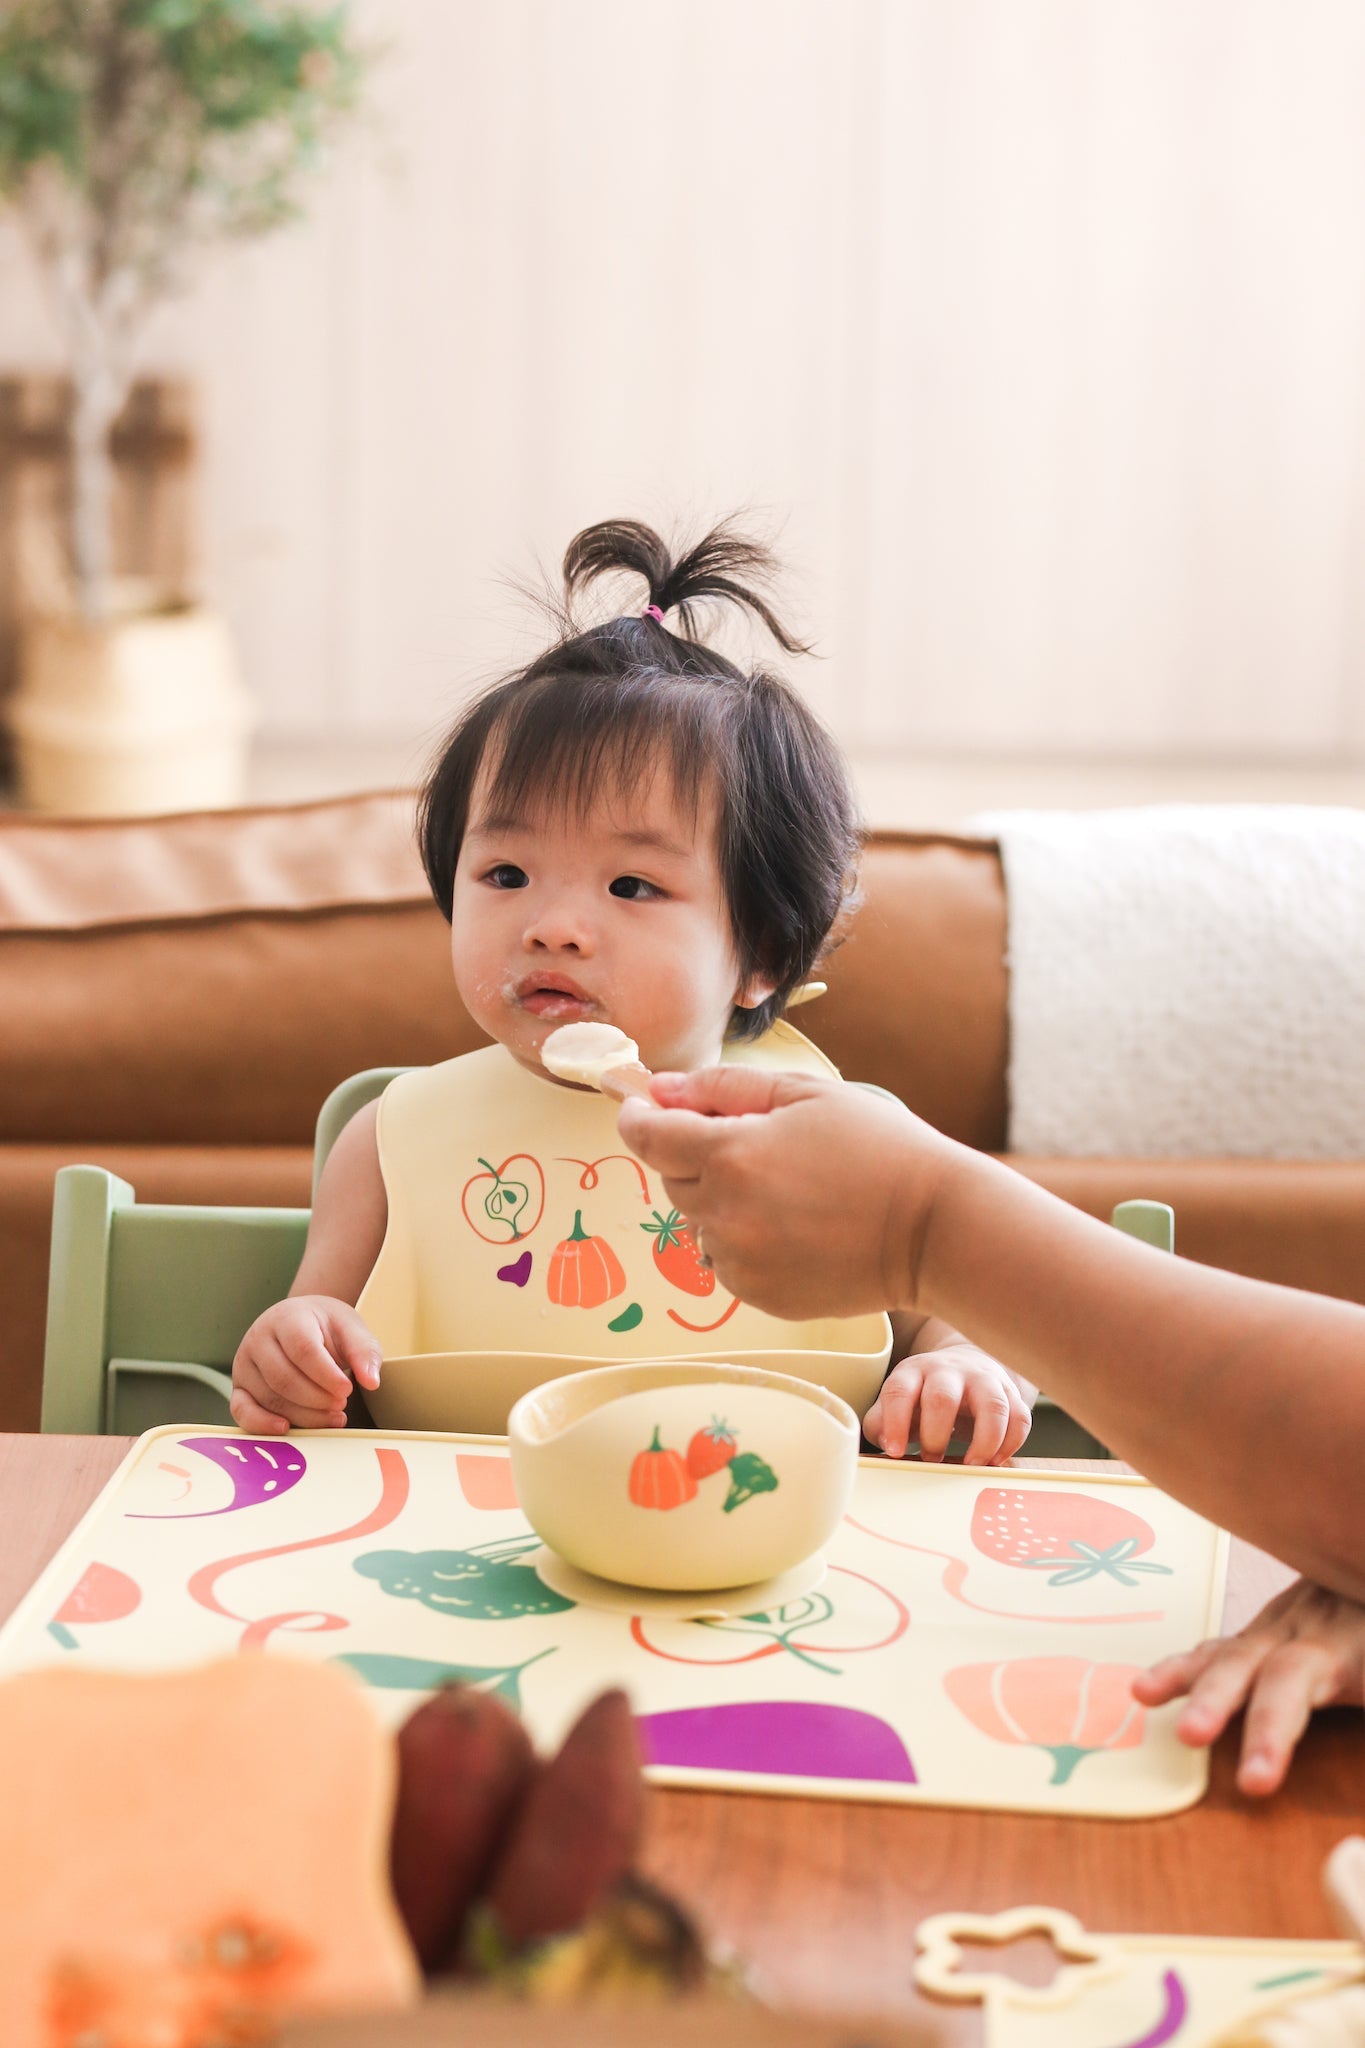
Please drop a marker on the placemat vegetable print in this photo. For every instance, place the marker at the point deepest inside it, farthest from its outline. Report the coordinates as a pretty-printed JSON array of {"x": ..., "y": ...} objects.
[{"x": 971, "y": 1643}]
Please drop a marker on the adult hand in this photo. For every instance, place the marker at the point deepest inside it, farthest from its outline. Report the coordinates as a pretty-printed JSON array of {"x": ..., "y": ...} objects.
[{"x": 812, "y": 1198}]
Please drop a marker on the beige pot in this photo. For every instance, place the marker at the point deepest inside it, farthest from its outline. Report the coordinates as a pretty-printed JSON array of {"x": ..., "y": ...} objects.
[{"x": 141, "y": 714}]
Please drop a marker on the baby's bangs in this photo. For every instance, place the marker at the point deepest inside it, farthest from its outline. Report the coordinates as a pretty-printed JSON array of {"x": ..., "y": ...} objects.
[{"x": 564, "y": 743}]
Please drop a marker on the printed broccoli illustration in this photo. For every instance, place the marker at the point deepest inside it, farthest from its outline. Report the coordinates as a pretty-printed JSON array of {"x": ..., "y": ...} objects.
[{"x": 748, "y": 1476}]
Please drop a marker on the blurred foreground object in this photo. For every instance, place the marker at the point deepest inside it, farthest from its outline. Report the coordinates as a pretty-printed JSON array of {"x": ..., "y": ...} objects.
[
  {"x": 1334, "y": 2017},
  {"x": 186, "y": 1858},
  {"x": 446, "y": 2020},
  {"x": 132, "y": 132}
]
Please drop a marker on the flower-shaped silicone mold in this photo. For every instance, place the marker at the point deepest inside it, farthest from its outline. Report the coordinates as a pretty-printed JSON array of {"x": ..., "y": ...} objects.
[{"x": 938, "y": 1965}]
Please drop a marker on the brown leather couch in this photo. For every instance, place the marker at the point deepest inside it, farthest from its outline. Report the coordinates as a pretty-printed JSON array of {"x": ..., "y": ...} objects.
[{"x": 178, "y": 995}]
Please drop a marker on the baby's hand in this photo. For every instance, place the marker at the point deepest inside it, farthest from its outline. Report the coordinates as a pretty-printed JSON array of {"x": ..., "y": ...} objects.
[
  {"x": 936, "y": 1394},
  {"x": 296, "y": 1363},
  {"x": 1306, "y": 1649}
]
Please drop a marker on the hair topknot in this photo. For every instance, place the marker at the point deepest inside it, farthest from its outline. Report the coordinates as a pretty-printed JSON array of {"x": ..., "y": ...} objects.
[{"x": 711, "y": 570}]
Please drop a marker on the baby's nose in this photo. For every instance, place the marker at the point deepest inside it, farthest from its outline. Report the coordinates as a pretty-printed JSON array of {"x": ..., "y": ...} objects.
[{"x": 561, "y": 927}]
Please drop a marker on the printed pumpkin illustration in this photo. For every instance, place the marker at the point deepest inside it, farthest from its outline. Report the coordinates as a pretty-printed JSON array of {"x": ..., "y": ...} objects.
[
  {"x": 1070, "y": 1536},
  {"x": 711, "y": 1449},
  {"x": 584, "y": 1270},
  {"x": 676, "y": 1254},
  {"x": 1065, "y": 1705},
  {"x": 659, "y": 1478}
]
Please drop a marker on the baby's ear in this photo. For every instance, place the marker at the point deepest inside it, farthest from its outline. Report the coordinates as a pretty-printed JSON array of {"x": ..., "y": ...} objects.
[{"x": 751, "y": 993}]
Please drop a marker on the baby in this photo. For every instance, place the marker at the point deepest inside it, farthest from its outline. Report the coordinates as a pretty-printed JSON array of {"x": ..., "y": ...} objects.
[{"x": 633, "y": 831}]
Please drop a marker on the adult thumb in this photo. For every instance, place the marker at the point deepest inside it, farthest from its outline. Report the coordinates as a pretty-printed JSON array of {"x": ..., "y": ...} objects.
[{"x": 731, "y": 1090}]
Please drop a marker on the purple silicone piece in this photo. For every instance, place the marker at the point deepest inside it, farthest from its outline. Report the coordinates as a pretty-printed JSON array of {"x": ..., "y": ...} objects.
[
  {"x": 779, "y": 1738},
  {"x": 519, "y": 1272},
  {"x": 260, "y": 1468},
  {"x": 1172, "y": 2020}
]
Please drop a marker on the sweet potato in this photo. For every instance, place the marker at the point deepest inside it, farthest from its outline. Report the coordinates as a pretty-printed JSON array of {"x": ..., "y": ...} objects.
[
  {"x": 464, "y": 1762},
  {"x": 578, "y": 1828}
]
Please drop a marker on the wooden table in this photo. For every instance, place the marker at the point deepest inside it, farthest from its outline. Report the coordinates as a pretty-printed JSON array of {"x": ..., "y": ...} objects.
[{"x": 824, "y": 1897}]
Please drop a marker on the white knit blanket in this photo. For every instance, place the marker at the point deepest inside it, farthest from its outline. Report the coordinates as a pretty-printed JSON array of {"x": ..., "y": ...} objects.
[{"x": 1186, "y": 980}]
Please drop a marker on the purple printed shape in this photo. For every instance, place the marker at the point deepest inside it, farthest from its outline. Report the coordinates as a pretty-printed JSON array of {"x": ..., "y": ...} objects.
[
  {"x": 260, "y": 1468},
  {"x": 1172, "y": 2019},
  {"x": 779, "y": 1738},
  {"x": 519, "y": 1272}
]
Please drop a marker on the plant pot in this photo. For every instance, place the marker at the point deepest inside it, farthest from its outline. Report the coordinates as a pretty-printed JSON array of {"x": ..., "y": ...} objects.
[{"x": 143, "y": 713}]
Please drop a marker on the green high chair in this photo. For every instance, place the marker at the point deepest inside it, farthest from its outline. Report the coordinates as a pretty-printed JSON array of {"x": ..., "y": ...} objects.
[{"x": 147, "y": 1302}]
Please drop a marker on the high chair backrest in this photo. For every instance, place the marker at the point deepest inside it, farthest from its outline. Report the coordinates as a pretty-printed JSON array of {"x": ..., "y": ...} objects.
[
  {"x": 147, "y": 1302},
  {"x": 1055, "y": 1434}
]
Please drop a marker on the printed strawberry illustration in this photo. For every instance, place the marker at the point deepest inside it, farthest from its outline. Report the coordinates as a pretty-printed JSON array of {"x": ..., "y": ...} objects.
[
  {"x": 711, "y": 1449},
  {"x": 1071, "y": 1536},
  {"x": 676, "y": 1254}
]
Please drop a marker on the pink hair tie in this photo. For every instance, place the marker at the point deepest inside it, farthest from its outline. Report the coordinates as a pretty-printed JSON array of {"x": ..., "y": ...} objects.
[{"x": 651, "y": 611}]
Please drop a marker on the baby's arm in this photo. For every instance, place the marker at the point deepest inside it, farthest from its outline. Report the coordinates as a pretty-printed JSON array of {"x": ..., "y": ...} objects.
[
  {"x": 941, "y": 1383},
  {"x": 297, "y": 1361},
  {"x": 1306, "y": 1649}
]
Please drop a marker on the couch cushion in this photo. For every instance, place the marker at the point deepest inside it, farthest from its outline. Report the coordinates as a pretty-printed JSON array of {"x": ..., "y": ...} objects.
[
  {"x": 1301, "y": 1225},
  {"x": 917, "y": 991},
  {"x": 208, "y": 979}
]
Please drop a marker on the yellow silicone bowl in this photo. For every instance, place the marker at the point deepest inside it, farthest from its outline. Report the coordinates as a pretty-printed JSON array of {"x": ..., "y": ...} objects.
[{"x": 690, "y": 1477}]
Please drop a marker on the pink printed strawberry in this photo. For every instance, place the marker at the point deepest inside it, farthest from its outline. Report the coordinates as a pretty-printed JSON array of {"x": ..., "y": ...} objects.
[
  {"x": 1072, "y": 1536},
  {"x": 676, "y": 1254},
  {"x": 711, "y": 1449}
]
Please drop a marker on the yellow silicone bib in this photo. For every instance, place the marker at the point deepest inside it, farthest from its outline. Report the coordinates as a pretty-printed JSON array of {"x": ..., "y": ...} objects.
[{"x": 524, "y": 1240}]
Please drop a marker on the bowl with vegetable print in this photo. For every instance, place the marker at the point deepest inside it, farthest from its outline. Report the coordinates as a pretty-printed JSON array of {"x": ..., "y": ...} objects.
[{"x": 686, "y": 1475}]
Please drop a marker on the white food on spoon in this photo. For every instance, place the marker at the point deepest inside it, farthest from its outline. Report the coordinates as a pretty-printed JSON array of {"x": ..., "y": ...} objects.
[{"x": 585, "y": 1052}]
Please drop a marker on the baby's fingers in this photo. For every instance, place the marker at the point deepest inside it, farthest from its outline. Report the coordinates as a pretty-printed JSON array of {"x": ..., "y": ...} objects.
[
  {"x": 987, "y": 1401},
  {"x": 292, "y": 1380},
  {"x": 352, "y": 1343},
  {"x": 890, "y": 1421},
  {"x": 1292, "y": 1681},
  {"x": 251, "y": 1418},
  {"x": 939, "y": 1403},
  {"x": 295, "y": 1361},
  {"x": 260, "y": 1413}
]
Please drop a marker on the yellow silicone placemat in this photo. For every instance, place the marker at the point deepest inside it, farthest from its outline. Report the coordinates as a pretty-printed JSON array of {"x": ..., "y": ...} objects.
[
  {"x": 971, "y": 1644},
  {"x": 1123, "y": 1990}
]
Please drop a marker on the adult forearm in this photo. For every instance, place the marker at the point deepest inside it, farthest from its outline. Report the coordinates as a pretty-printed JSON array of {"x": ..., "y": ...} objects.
[{"x": 1246, "y": 1400}]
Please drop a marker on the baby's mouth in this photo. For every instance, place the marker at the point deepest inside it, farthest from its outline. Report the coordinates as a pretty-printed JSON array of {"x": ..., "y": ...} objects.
[{"x": 556, "y": 998}]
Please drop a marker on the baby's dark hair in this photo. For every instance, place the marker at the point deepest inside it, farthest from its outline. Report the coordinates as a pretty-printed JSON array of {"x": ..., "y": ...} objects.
[{"x": 601, "y": 706}]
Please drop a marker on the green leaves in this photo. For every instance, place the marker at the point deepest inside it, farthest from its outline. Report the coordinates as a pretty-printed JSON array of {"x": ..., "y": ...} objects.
[{"x": 173, "y": 117}]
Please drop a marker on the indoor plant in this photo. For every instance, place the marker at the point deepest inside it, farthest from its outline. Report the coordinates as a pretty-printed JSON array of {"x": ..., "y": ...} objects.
[{"x": 132, "y": 133}]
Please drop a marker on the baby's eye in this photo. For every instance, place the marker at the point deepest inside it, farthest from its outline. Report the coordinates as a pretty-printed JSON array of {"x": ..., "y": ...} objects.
[
  {"x": 506, "y": 876},
  {"x": 633, "y": 888}
]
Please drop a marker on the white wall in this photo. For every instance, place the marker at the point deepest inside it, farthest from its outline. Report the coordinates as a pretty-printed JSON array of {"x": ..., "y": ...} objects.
[{"x": 1040, "y": 324}]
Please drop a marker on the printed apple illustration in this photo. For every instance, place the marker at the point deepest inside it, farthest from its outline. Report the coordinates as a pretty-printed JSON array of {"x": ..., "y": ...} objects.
[{"x": 504, "y": 1197}]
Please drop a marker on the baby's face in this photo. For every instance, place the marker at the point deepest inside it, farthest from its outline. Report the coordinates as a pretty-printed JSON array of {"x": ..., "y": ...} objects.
[{"x": 617, "y": 917}]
